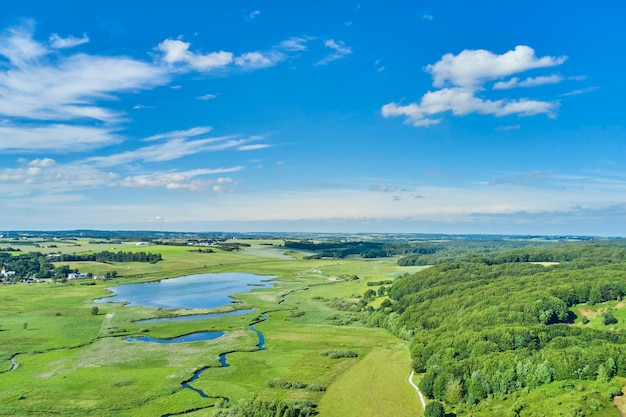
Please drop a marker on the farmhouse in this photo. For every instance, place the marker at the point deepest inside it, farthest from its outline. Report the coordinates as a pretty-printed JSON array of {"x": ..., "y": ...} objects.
[
  {"x": 6, "y": 273},
  {"x": 76, "y": 275}
]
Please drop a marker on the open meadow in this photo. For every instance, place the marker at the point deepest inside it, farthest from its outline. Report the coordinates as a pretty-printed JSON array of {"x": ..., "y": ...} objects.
[{"x": 59, "y": 356}]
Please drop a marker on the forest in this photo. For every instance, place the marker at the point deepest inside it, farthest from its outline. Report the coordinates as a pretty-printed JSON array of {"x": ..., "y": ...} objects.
[
  {"x": 338, "y": 249},
  {"x": 495, "y": 325}
]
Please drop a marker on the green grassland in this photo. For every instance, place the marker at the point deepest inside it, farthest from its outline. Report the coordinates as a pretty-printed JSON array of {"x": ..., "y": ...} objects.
[{"x": 74, "y": 363}]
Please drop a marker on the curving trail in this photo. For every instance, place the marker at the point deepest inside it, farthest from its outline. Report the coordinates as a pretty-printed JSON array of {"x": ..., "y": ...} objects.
[{"x": 419, "y": 393}]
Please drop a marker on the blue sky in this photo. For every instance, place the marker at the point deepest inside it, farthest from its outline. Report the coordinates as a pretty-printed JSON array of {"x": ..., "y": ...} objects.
[{"x": 350, "y": 116}]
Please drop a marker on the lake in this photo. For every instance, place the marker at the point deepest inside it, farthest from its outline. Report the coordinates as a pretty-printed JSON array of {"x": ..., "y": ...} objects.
[{"x": 190, "y": 291}]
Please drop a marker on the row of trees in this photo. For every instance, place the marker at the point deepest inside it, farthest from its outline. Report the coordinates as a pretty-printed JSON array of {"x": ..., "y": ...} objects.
[{"x": 106, "y": 256}]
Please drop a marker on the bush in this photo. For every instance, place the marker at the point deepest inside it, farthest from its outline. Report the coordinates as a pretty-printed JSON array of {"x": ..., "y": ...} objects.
[
  {"x": 336, "y": 354},
  {"x": 315, "y": 387},
  {"x": 279, "y": 383},
  {"x": 608, "y": 319},
  {"x": 434, "y": 409}
]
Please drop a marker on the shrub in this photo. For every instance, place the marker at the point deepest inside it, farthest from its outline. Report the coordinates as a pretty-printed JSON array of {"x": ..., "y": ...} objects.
[
  {"x": 336, "y": 354},
  {"x": 279, "y": 383}
]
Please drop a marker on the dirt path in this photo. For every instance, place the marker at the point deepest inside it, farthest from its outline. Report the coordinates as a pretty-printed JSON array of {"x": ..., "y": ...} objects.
[{"x": 419, "y": 393}]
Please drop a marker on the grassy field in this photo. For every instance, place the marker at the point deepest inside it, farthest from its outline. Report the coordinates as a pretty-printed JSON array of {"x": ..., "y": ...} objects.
[{"x": 74, "y": 363}]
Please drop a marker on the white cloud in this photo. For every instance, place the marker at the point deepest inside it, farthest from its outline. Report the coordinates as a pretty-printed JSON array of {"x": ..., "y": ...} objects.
[
  {"x": 462, "y": 101},
  {"x": 194, "y": 131},
  {"x": 528, "y": 82},
  {"x": 42, "y": 162},
  {"x": 45, "y": 175},
  {"x": 255, "y": 60},
  {"x": 41, "y": 91},
  {"x": 58, "y": 42},
  {"x": 254, "y": 14},
  {"x": 169, "y": 150},
  {"x": 508, "y": 128},
  {"x": 295, "y": 44},
  {"x": 340, "y": 51},
  {"x": 580, "y": 91},
  {"x": 467, "y": 73},
  {"x": 253, "y": 147},
  {"x": 206, "y": 97},
  {"x": 54, "y": 137},
  {"x": 473, "y": 67},
  {"x": 177, "y": 179},
  {"x": 177, "y": 52},
  {"x": 19, "y": 47}
]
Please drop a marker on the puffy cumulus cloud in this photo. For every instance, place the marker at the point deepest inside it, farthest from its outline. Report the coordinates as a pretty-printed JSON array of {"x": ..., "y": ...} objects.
[
  {"x": 177, "y": 180},
  {"x": 461, "y": 80},
  {"x": 474, "y": 67},
  {"x": 71, "y": 41},
  {"x": 176, "y": 51},
  {"x": 340, "y": 51}
]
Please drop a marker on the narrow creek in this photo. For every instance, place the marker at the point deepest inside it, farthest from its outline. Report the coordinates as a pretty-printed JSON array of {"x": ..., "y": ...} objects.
[{"x": 14, "y": 363}]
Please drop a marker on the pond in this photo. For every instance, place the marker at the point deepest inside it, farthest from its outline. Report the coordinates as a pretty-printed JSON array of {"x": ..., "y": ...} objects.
[
  {"x": 192, "y": 337},
  {"x": 190, "y": 291}
]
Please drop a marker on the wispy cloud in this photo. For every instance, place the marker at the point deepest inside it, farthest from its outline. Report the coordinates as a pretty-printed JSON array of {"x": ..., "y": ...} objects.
[
  {"x": 54, "y": 137},
  {"x": 194, "y": 131},
  {"x": 580, "y": 91},
  {"x": 59, "y": 43},
  {"x": 206, "y": 97},
  {"x": 49, "y": 101},
  {"x": 169, "y": 150},
  {"x": 460, "y": 79},
  {"x": 508, "y": 128},
  {"x": 528, "y": 82},
  {"x": 180, "y": 179},
  {"x": 254, "y": 147},
  {"x": 295, "y": 44},
  {"x": 340, "y": 51}
]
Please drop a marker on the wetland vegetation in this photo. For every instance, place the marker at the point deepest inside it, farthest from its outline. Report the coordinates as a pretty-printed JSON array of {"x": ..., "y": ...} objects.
[{"x": 495, "y": 326}]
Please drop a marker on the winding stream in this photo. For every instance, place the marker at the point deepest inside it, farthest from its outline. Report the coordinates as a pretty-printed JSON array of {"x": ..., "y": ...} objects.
[{"x": 14, "y": 363}]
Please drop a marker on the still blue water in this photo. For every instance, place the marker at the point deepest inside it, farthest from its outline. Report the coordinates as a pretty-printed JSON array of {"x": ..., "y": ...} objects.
[{"x": 191, "y": 291}]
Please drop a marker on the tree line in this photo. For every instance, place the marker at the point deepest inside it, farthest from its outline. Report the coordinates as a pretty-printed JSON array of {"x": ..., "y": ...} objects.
[{"x": 106, "y": 256}]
